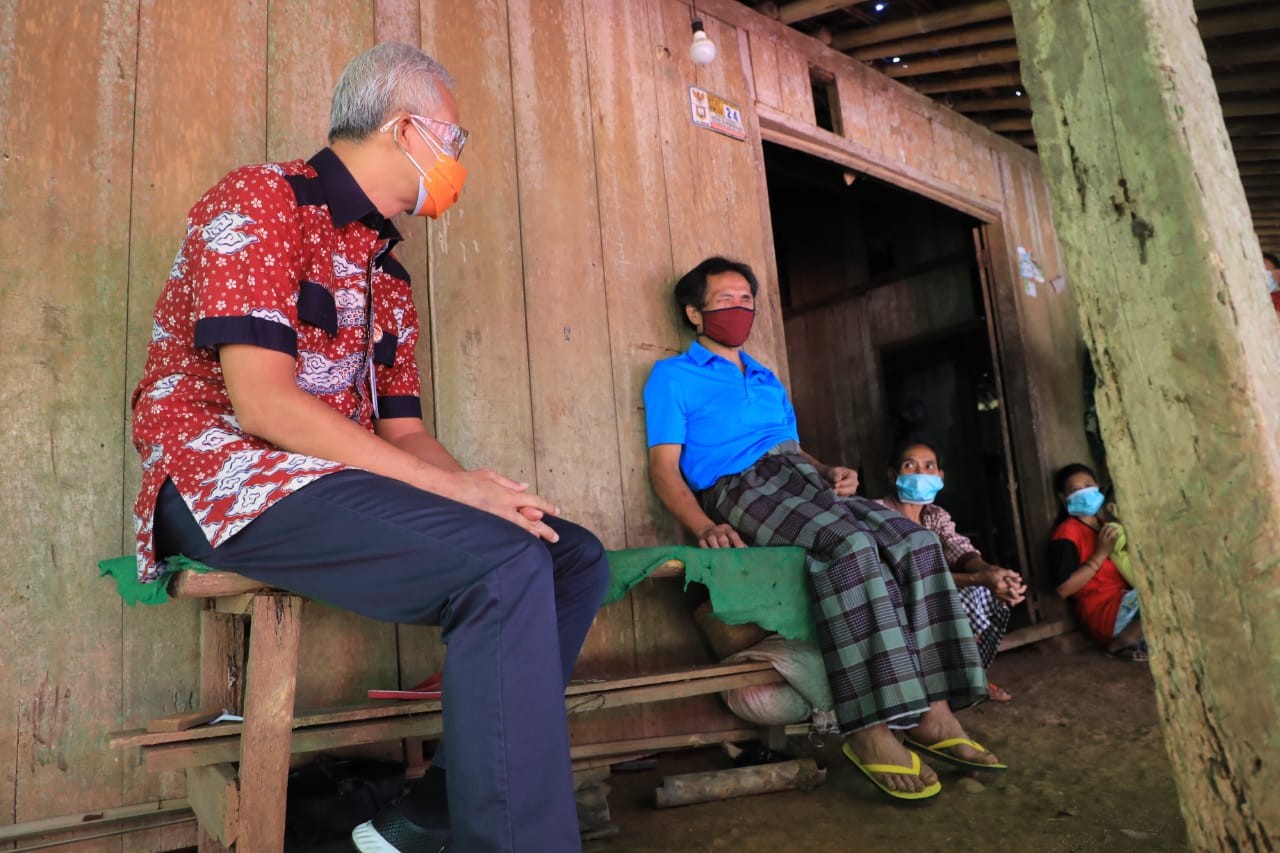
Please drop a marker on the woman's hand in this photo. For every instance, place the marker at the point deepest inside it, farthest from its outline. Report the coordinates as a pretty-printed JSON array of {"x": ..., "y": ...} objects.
[
  {"x": 1006, "y": 584},
  {"x": 1107, "y": 537},
  {"x": 843, "y": 480},
  {"x": 720, "y": 536}
]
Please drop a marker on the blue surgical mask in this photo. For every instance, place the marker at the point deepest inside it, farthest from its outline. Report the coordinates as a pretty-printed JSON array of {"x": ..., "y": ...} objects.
[
  {"x": 1085, "y": 502},
  {"x": 918, "y": 488}
]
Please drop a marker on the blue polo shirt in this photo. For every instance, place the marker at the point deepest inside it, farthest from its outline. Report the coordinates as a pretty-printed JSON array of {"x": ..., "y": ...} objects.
[{"x": 724, "y": 418}]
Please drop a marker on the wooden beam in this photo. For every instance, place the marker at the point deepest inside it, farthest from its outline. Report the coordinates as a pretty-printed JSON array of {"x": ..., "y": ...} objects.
[
  {"x": 803, "y": 10},
  {"x": 93, "y": 819},
  {"x": 385, "y": 721},
  {"x": 1207, "y": 5},
  {"x": 947, "y": 19},
  {"x": 1251, "y": 107},
  {"x": 215, "y": 798},
  {"x": 1272, "y": 168},
  {"x": 268, "y": 718},
  {"x": 991, "y": 105},
  {"x": 1257, "y": 155},
  {"x": 988, "y": 34},
  {"x": 1220, "y": 56},
  {"x": 1264, "y": 126},
  {"x": 1008, "y": 125},
  {"x": 192, "y": 584},
  {"x": 1155, "y": 238},
  {"x": 954, "y": 61},
  {"x": 1246, "y": 81},
  {"x": 1256, "y": 143},
  {"x": 1249, "y": 20},
  {"x": 993, "y": 80}
]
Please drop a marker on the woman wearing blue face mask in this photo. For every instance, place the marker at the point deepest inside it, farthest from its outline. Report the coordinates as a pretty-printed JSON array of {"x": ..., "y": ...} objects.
[
  {"x": 1081, "y": 554},
  {"x": 986, "y": 591}
]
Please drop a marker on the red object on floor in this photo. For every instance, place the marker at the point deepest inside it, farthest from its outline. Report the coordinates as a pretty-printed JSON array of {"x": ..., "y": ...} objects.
[
  {"x": 1275, "y": 299},
  {"x": 429, "y": 689}
]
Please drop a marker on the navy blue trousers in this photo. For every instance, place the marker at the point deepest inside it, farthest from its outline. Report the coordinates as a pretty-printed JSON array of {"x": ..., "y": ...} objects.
[{"x": 514, "y": 610}]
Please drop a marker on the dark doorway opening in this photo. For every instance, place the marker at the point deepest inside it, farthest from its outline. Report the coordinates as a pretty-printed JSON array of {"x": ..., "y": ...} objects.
[{"x": 884, "y": 307}]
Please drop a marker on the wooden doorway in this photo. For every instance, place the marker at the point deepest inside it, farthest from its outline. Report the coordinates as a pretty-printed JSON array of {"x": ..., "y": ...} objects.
[{"x": 886, "y": 301}]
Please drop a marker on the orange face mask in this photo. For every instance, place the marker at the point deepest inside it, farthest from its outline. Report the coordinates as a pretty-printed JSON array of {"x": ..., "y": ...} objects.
[{"x": 439, "y": 187}]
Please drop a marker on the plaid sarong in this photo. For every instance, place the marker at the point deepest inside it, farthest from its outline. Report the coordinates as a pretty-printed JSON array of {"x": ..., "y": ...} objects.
[
  {"x": 893, "y": 634},
  {"x": 988, "y": 618}
]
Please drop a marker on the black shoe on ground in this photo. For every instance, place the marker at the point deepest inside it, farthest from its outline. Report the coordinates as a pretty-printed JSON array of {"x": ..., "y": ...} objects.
[{"x": 391, "y": 832}]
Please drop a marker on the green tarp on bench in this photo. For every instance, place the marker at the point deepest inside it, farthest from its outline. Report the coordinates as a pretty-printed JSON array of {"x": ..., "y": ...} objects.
[{"x": 762, "y": 585}]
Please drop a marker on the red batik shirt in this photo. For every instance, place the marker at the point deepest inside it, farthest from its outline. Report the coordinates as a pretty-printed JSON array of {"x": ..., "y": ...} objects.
[{"x": 286, "y": 256}]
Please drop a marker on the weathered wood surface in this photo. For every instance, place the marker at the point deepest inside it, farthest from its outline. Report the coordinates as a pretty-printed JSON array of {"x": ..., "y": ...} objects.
[
  {"x": 275, "y": 632},
  {"x": 171, "y": 105},
  {"x": 687, "y": 789},
  {"x": 200, "y": 111},
  {"x": 1158, "y": 243},
  {"x": 343, "y": 655},
  {"x": 66, "y": 113}
]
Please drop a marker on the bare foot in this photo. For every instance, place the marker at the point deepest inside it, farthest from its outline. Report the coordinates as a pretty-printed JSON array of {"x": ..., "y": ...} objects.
[
  {"x": 940, "y": 724},
  {"x": 877, "y": 745}
]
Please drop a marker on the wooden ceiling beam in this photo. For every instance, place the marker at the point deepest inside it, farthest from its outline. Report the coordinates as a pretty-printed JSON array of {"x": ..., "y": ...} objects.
[
  {"x": 1256, "y": 143},
  {"x": 991, "y": 105},
  {"x": 1257, "y": 156},
  {"x": 1252, "y": 127},
  {"x": 1008, "y": 125},
  {"x": 1246, "y": 81},
  {"x": 947, "y": 19},
  {"x": 994, "y": 80},
  {"x": 955, "y": 61},
  {"x": 1220, "y": 57},
  {"x": 1209, "y": 5},
  {"x": 1235, "y": 22},
  {"x": 989, "y": 34},
  {"x": 803, "y": 10},
  {"x": 1251, "y": 107},
  {"x": 1272, "y": 168}
]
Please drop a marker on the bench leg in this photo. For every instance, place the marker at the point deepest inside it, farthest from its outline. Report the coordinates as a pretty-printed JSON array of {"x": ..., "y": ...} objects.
[
  {"x": 268, "y": 721},
  {"x": 222, "y": 653}
]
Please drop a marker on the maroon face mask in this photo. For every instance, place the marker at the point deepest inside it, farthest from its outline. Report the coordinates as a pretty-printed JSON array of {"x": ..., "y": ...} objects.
[{"x": 728, "y": 327}]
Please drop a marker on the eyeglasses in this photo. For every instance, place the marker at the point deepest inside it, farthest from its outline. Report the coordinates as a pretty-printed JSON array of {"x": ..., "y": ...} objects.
[{"x": 449, "y": 136}]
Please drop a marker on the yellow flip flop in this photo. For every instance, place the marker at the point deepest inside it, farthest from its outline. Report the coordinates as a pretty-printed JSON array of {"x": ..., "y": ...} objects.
[
  {"x": 914, "y": 770},
  {"x": 935, "y": 750}
]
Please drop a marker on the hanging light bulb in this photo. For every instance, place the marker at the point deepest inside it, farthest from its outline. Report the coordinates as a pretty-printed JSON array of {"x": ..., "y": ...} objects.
[{"x": 703, "y": 49}]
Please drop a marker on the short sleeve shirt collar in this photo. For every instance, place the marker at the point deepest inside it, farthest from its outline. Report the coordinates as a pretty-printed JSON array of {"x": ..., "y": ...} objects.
[{"x": 346, "y": 200}]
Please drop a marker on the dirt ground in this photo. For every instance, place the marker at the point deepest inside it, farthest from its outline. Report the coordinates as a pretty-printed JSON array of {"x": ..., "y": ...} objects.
[{"x": 1088, "y": 772}]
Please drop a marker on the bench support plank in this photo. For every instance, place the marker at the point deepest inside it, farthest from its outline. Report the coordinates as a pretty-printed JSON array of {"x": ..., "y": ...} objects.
[
  {"x": 264, "y": 746},
  {"x": 215, "y": 798}
]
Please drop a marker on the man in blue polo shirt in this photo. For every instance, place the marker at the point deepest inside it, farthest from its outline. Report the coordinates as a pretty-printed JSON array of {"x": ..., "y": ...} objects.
[{"x": 725, "y": 459}]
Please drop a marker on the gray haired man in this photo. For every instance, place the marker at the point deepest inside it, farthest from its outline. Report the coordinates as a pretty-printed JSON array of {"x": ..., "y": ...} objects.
[{"x": 280, "y": 429}]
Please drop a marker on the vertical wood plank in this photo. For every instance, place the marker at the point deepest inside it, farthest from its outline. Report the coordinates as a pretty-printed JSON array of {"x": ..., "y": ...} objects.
[
  {"x": 571, "y": 374},
  {"x": 418, "y": 647},
  {"x": 400, "y": 20},
  {"x": 201, "y": 107},
  {"x": 309, "y": 43},
  {"x": 275, "y": 632},
  {"x": 480, "y": 353},
  {"x": 67, "y": 82},
  {"x": 853, "y": 109},
  {"x": 764, "y": 64},
  {"x": 796, "y": 85},
  {"x": 644, "y": 323}
]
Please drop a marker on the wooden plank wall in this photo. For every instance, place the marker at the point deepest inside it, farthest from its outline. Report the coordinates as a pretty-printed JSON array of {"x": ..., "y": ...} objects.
[
  {"x": 896, "y": 134},
  {"x": 544, "y": 294}
]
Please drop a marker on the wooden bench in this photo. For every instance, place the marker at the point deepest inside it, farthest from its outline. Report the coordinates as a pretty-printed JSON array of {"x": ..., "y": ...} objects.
[{"x": 252, "y": 668}]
